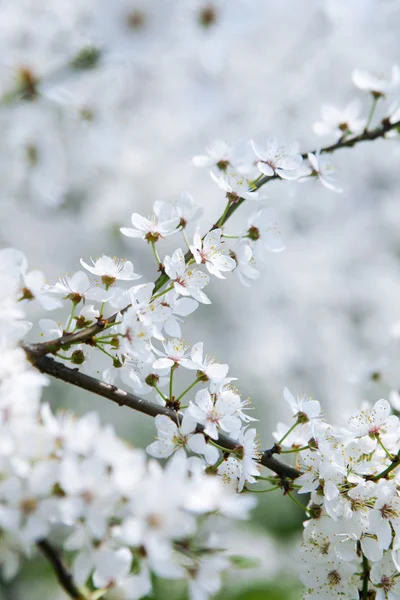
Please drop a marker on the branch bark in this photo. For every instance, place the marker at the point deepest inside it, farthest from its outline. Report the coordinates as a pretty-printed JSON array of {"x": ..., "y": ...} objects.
[
  {"x": 37, "y": 352},
  {"x": 58, "y": 370},
  {"x": 83, "y": 336},
  {"x": 63, "y": 574}
]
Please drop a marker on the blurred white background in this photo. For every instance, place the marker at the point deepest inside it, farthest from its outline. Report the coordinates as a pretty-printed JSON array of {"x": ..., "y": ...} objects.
[{"x": 83, "y": 148}]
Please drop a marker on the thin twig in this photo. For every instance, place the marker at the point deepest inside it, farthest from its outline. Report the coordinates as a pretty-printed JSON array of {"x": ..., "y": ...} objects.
[
  {"x": 64, "y": 576},
  {"x": 58, "y": 370},
  {"x": 37, "y": 352},
  {"x": 86, "y": 334}
]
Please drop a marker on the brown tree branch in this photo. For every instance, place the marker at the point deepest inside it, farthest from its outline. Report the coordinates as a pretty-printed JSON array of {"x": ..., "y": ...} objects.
[
  {"x": 63, "y": 574},
  {"x": 58, "y": 370},
  {"x": 37, "y": 352},
  {"x": 85, "y": 335}
]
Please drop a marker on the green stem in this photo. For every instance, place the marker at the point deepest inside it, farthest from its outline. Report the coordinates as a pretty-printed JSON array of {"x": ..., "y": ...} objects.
[
  {"x": 103, "y": 303},
  {"x": 159, "y": 392},
  {"x": 153, "y": 245},
  {"x": 188, "y": 389},
  {"x": 262, "y": 491},
  {"x": 171, "y": 287},
  {"x": 297, "y": 502},
  {"x": 74, "y": 305},
  {"x": 390, "y": 456},
  {"x": 171, "y": 377},
  {"x": 219, "y": 462},
  {"x": 63, "y": 357},
  {"x": 294, "y": 450},
  {"x": 185, "y": 238},
  {"x": 105, "y": 352},
  {"x": 224, "y": 215},
  {"x": 372, "y": 111},
  {"x": 231, "y": 237},
  {"x": 395, "y": 463},
  {"x": 287, "y": 433},
  {"x": 213, "y": 443}
]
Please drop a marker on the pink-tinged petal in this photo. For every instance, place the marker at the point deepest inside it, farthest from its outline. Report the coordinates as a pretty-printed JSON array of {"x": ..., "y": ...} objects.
[
  {"x": 200, "y": 296},
  {"x": 273, "y": 242},
  {"x": 197, "y": 353},
  {"x": 172, "y": 327},
  {"x": 180, "y": 289},
  {"x": 313, "y": 161},
  {"x": 330, "y": 186},
  {"x": 197, "y": 444},
  {"x": 160, "y": 449},
  {"x": 79, "y": 282},
  {"x": 197, "y": 243},
  {"x": 89, "y": 268},
  {"x": 126, "y": 273},
  {"x": 133, "y": 233},
  {"x": 211, "y": 454},
  {"x": 163, "y": 363},
  {"x": 371, "y": 549},
  {"x": 290, "y": 399},
  {"x": 196, "y": 413},
  {"x": 211, "y": 430},
  {"x": 141, "y": 223},
  {"x": 217, "y": 372},
  {"x": 381, "y": 411},
  {"x": 203, "y": 400},
  {"x": 188, "y": 424},
  {"x": 169, "y": 227},
  {"x": 221, "y": 182},
  {"x": 213, "y": 270},
  {"x": 185, "y": 307},
  {"x": 224, "y": 263},
  {"x": 196, "y": 254},
  {"x": 265, "y": 169},
  {"x": 49, "y": 302},
  {"x": 288, "y": 175},
  {"x": 165, "y": 426}
]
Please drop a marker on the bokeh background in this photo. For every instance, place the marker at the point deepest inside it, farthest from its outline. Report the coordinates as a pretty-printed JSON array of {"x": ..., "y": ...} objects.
[{"x": 103, "y": 104}]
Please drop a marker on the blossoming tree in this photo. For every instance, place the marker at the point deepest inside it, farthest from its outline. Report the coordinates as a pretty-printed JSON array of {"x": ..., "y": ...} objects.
[{"x": 106, "y": 515}]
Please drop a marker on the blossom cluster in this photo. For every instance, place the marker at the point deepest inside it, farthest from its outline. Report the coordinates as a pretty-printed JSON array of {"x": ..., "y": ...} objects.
[
  {"x": 74, "y": 478},
  {"x": 103, "y": 499},
  {"x": 352, "y": 538}
]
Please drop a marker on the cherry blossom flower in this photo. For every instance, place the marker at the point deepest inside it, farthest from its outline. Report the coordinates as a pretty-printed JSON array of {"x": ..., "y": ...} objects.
[
  {"x": 371, "y": 421},
  {"x": 245, "y": 270},
  {"x": 339, "y": 122},
  {"x": 205, "y": 579},
  {"x": 163, "y": 222},
  {"x": 215, "y": 372},
  {"x": 214, "y": 413},
  {"x": 264, "y": 232},
  {"x": 303, "y": 407},
  {"x": 377, "y": 84},
  {"x": 35, "y": 288},
  {"x": 184, "y": 207},
  {"x": 277, "y": 159},
  {"x": 210, "y": 251},
  {"x": 250, "y": 455},
  {"x": 180, "y": 307},
  {"x": 323, "y": 169},
  {"x": 175, "y": 353},
  {"x": 236, "y": 184},
  {"x": 111, "y": 269},
  {"x": 187, "y": 281},
  {"x": 170, "y": 437},
  {"x": 78, "y": 287}
]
